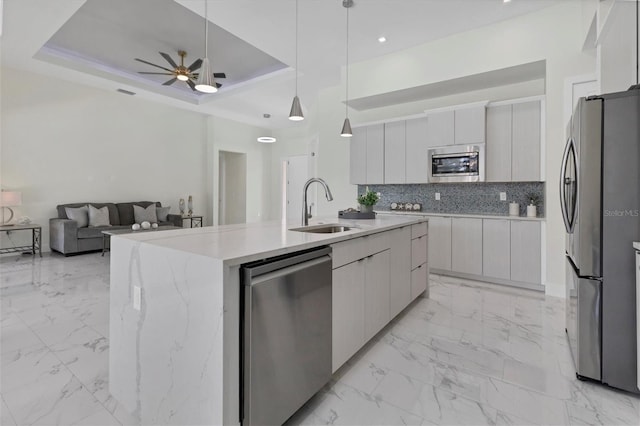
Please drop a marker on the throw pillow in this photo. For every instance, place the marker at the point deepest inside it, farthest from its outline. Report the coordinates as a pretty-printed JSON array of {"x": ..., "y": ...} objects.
[
  {"x": 98, "y": 217},
  {"x": 142, "y": 214},
  {"x": 79, "y": 214},
  {"x": 162, "y": 213}
]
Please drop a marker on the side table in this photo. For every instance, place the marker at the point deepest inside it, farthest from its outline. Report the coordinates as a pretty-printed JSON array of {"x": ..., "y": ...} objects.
[
  {"x": 195, "y": 221},
  {"x": 36, "y": 233}
]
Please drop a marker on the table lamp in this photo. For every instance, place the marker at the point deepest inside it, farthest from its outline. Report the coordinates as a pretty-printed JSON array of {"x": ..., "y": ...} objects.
[{"x": 7, "y": 200}]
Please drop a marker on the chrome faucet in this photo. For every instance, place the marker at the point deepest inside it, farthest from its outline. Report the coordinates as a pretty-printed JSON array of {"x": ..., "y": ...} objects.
[{"x": 327, "y": 193}]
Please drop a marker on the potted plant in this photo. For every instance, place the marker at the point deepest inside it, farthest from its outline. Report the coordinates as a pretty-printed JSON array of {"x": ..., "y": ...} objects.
[
  {"x": 368, "y": 200},
  {"x": 532, "y": 208}
]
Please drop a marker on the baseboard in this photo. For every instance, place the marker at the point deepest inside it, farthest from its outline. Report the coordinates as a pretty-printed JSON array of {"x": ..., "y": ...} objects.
[{"x": 508, "y": 283}]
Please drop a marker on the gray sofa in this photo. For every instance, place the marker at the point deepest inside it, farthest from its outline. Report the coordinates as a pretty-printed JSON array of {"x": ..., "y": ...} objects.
[{"x": 65, "y": 236}]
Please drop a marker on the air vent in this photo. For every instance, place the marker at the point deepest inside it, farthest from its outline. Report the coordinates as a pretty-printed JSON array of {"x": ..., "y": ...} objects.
[{"x": 126, "y": 92}]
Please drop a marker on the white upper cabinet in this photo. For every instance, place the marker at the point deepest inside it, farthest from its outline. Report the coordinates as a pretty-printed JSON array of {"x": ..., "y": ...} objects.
[
  {"x": 416, "y": 151},
  {"x": 375, "y": 154},
  {"x": 440, "y": 128},
  {"x": 366, "y": 160},
  {"x": 498, "y": 149},
  {"x": 514, "y": 142},
  {"x": 358, "y": 156},
  {"x": 469, "y": 125},
  {"x": 394, "y": 152},
  {"x": 525, "y": 166}
]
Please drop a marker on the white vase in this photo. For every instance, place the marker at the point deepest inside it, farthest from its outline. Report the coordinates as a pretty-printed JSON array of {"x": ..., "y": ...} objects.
[
  {"x": 514, "y": 209},
  {"x": 532, "y": 211}
]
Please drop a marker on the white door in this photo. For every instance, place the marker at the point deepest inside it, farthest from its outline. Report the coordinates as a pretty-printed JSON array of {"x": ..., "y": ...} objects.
[{"x": 295, "y": 174}]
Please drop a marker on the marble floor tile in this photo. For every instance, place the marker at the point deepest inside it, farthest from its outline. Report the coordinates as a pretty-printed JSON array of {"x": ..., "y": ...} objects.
[
  {"x": 344, "y": 405},
  {"x": 472, "y": 353},
  {"x": 6, "y": 418}
]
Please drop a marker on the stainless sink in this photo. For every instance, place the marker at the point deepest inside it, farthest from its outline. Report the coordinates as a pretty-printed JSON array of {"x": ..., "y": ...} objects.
[{"x": 330, "y": 228}]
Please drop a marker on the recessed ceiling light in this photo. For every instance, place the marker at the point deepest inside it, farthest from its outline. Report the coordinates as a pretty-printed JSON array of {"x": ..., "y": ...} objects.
[
  {"x": 266, "y": 139},
  {"x": 382, "y": 39},
  {"x": 506, "y": 1}
]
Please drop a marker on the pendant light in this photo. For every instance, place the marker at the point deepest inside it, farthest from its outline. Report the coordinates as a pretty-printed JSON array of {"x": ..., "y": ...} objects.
[
  {"x": 296, "y": 108},
  {"x": 206, "y": 83},
  {"x": 346, "y": 127}
]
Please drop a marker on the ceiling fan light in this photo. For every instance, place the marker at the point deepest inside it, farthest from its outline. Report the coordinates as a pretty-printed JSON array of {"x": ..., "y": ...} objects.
[
  {"x": 346, "y": 129},
  {"x": 296, "y": 110},
  {"x": 182, "y": 77},
  {"x": 206, "y": 83}
]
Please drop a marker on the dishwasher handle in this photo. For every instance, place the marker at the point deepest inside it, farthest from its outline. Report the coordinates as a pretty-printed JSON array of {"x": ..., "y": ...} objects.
[
  {"x": 262, "y": 267},
  {"x": 269, "y": 276}
]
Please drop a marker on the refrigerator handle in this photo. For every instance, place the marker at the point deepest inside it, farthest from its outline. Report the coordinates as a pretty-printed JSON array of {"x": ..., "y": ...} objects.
[{"x": 568, "y": 224}]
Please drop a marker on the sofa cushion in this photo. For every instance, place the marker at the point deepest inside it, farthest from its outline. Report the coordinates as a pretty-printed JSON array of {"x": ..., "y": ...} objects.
[
  {"x": 79, "y": 214},
  {"x": 114, "y": 217},
  {"x": 98, "y": 217},
  {"x": 145, "y": 214},
  {"x": 125, "y": 210},
  {"x": 162, "y": 213},
  {"x": 96, "y": 232}
]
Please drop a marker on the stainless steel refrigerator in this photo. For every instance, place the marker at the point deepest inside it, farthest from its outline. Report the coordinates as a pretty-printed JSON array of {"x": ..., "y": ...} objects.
[{"x": 600, "y": 200}]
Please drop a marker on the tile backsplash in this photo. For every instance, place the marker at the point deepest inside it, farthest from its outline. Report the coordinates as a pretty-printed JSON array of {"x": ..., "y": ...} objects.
[{"x": 461, "y": 198}]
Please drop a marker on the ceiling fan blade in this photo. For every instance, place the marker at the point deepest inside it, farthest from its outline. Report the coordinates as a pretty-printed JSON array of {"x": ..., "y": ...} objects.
[
  {"x": 219, "y": 75},
  {"x": 195, "y": 65},
  {"x": 155, "y": 73},
  {"x": 169, "y": 82},
  {"x": 192, "y": 85},
  {"x": 153, "y": 65},
  {"x": 168, "y": 59}
]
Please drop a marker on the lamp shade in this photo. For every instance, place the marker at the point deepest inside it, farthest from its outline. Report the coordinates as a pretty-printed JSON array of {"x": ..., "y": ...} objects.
[
  {"x": 206, "y": 83},
  {"x": 346, "y": 129},
  {"x": 10, "y": 198},
  {"x": 296, "y": 110}
]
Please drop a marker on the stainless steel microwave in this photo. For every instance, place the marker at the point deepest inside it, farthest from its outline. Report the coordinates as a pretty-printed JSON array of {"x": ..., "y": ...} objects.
[{"x": 457, "y": 163}]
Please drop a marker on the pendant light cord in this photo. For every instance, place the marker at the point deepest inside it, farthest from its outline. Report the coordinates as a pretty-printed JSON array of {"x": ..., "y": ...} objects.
[
  {"x": 346, "y": 104},
  {"x": 296, "y": 47},
  {"x": 206, "y": 29}
]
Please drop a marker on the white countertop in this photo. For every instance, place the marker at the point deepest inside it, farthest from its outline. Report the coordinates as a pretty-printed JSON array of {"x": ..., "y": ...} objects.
[
  {"x": 235, "y": 244},
  {"x": 636, "y": 245},
  {"x": 479, "y": 216}
]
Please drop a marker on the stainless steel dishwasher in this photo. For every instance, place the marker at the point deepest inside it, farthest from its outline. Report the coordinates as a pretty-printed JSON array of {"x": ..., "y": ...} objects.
[{"x": 286, "y": 334}]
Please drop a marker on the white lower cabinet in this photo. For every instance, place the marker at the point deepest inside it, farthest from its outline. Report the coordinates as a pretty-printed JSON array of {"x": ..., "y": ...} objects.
[
  {"x": 400, "y": 266},
  {"x": 525, "y": 251},
  {"x": 440, "y": 242},
  {"x": 466, "y": 245},
  {"x": 348, "y": 312},
  {"x": 376, "y": 293},
  {"x": 504, "y": 249},
  {"x": 496, "y": 248},
  {"x": 372, "y": 282}
]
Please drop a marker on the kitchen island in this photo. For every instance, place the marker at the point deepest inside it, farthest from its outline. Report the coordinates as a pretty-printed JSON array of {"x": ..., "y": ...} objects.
[{"x": 175, "y": 306}]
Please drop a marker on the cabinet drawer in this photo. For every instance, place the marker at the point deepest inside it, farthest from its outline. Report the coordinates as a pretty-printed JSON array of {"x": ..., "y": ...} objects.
[
  {"x": 419, "y": 230},
  {"x": 346, "y": 252},
  {"x": 358, "y": 248},
  {"x": 419, "y": 278},
  {"x": 375, "y": 243},
  {"x": 418, "y": 251}
]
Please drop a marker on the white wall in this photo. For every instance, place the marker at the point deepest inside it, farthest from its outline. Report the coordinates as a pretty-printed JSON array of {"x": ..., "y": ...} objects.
[
  {"x": 227, "y": 135},
  {"x": 554, "y": 34},
  {"x": 63, "y": 143},
  {"x": 617, "y": 47}
]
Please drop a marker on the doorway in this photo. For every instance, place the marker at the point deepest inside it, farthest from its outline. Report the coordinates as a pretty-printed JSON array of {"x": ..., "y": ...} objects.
[
  {"x": 232, "y": 188},
  {"x": 295, "y": 172}
]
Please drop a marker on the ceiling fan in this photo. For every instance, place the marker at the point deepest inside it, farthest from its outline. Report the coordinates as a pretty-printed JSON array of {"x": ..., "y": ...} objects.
[{"x": 180, "y": 72}]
